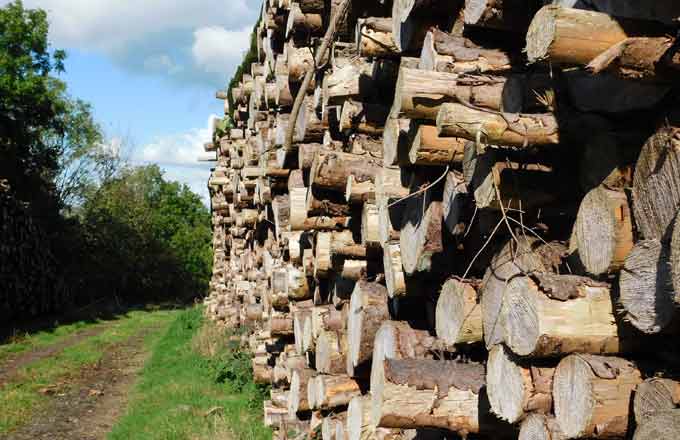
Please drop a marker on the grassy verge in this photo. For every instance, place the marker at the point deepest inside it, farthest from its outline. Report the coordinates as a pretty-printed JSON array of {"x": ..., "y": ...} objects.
[
  {"x": 194, "y": 387},
  {"x": 21, "y": 398}
]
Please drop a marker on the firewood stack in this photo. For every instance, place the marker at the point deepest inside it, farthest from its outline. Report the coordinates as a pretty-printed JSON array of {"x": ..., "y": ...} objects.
[{"x": 474, "y": 229}]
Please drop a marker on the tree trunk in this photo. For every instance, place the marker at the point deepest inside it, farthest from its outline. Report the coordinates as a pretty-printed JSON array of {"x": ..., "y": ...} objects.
[
  {"x": 574, "y": 36},
  {"x": 592, "y": 395},
  {"x": 428, "y": 148},
  {"x": 656, "y": 185},
  {"x": 603, "y": 230},
  {"x": 459, "y": 314},
  {"x": 420, "y": 94},
  {"x": 514, "y": 389},
  {"x": 646, "y": 288},
  {"x": 332, "y": 168},
  {"x": 367, "y": 310},
  {"x": 444, "y": 52},
  {"x": 374, "y": 38},
  {"x": 329, "y": 392},
  {"x": 420, "y": 393},
  {"x": 496, "y": 128}
]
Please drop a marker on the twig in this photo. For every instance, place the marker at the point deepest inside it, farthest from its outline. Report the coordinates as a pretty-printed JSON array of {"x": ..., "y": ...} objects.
[{"x": 421, "y": 190}]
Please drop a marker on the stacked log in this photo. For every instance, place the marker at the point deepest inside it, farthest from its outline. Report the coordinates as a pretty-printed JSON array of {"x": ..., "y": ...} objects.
[{"x": 425, "y": 228}]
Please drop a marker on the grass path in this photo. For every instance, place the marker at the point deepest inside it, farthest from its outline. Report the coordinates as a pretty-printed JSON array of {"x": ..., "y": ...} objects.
[{"x": 194, "y": 387}]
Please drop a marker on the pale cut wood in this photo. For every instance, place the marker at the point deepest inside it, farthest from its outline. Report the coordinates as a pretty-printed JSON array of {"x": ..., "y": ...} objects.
[
  {"x": 495, "y": 128},
  {"x": 646, "y": 288},
  {"x": 558, "y": 314},
  {"x": 333, "y": 391},
  {"x": 297, "y": 397},
  {"x": 367, "y": 310},
  {"x": 454, "y": 201},
  {"x": 603, "y": 230},
  {"x": 331, "y": 169},
  {"x": 516, "y": 389},
  {"x": 459, "y": 314},
  {"x": 397, "y": 139},
  {"x": 360, "y": 117},
  {"x": 571, "y": 36},
  {"x": 592, "y": 395},
  {"x": 540, "y": 427},
  {"x": 662, "y": 426},
  {"x": 418, "y": 393},
  {"x": 374, "y": 38},
  {"x": 331, "y": 350},
  {"x": 653, "y": 396},
  {"x": 370, "y": 227},
  {"x": 656, "y": 184},
  {"x": 395, "y": 280}
]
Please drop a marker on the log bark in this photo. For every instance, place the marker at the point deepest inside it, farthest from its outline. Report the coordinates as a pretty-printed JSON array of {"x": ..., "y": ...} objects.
[
  {"x": 359, "y": 117},
  {"x": 420, "y": 94},
  {"x": 281, "y": 325},
  {"x": 367, "y": 310},
  {"x": 516, "y": 389},
  {"x": 575, "y": 36},
  {"x": 646, "y": 288},
  {"x": 642, "y": 59},
  {"x": 592, "y": 395},
  {"x": 459, "y": 314},
  {"x": 496, "y": 128},
  {"x": 443, "y": 52},
  {"x": 656, "y": 184},
  {"x": 540, "y": 427},
  {"x": 603, "y": 230},
  {"x": 418, "y": 393}
]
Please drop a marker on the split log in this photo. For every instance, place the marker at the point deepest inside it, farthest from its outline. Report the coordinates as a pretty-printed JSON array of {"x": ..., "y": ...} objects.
[
  {"x": 418, "y": 393},
  {"x": 656, "y": 184},
  {"x": 516, "y": 389},
  {"x": 444, "y": 52},
  {"x": 367, "y": 310},
  {"x": 331, "y": 351},
  {"x": 575, "y": 36},
  {"x": 540, "y": 427},
  {"x": 646, "y": 288},
  {"x": 592, "y": 395},
  {"x": 459, "y": 314},
  {"x": 506, "y": 15},
  {"x": 327, "y": 392},
  {"x": 603, "y": 231},
  {"x": 374, "y": 38},
  {"x": 662, "y": 426},
  {"x": 557, "y": 314},
  {"x": 420, "y": 94},
  {"x": 331, "y": 169},
  {"x": 428, "y": 148},
  {"x": 495, "y": 128},
  {"x": 654, "y": 396}
]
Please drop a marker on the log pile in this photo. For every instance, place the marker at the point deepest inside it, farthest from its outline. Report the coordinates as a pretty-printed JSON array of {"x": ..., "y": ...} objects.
[{"x": 461, "y": 219}]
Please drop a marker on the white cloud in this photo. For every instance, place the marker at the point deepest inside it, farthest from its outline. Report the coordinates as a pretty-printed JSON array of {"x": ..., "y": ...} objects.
[
  {"x": 162, "y": 63},
  {"x": 216, "y": 48},
  {"x": 111, "y": 24},
  {"x": 180, "y": 149}
]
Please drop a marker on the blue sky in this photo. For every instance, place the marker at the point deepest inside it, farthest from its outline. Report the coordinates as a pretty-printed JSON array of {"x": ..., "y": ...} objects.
[{"x": 150, "y": 68}]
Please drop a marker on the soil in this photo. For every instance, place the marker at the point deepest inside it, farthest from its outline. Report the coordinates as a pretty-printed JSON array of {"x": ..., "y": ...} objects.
[
  {"x": 10, "y": 366},
  {"x": 89, "y": 406}
]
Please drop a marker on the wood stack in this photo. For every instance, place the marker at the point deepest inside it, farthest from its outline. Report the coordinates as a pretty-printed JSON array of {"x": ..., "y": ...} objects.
[{"x": 474, "y": 229}]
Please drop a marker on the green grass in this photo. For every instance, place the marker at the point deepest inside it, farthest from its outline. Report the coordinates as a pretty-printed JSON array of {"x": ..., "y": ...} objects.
[
  {"x": 184, "y": 394},
  {"x": 22, "y": 398}
]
